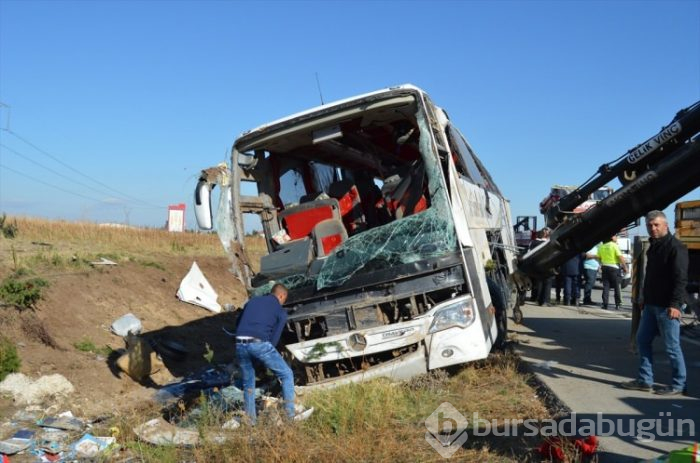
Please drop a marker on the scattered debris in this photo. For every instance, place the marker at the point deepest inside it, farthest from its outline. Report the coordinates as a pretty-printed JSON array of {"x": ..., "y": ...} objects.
[
  {"x": 52, "y": 445},
  {"x": 90, "y": 446},
  {"x": 20, "y": 441},
  {"x": 159, "y": 432},
  {"x": 64, "y": 421},
  {"x": 303, "y": 414},
  {"x": 193, "y": 384},
  {"x": 103, "y": 261},
  {"x": 24, "y": 390},
  {"x": 233, "y": 423},
  {"x": 126, "y": 324},
  {"x": 195, "y": 289}
]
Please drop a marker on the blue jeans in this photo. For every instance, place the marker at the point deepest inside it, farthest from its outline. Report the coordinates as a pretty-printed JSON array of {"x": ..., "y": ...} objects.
[
  {"x": 570, "y": 288},
  {"x": 589, "y": 277},
  {"x": 265, "y": 353},
  {"x": 655, "y": 321}
]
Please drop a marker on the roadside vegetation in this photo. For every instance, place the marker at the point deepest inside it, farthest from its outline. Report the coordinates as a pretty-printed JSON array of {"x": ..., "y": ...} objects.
[
  {"x": 40, "y": 244},
  {"x": 21, "y": 290},
  {"x": 86, "y": 345},
  {"x": 9, "y": 359},
  {"x": 377, "y": 421}
]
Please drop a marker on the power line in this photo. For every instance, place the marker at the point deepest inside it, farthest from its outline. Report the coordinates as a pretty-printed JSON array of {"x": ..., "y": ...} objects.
[
  {"x": 63, "y": 189},
  {"x": 45, "y": 153},
  {"x": 50, "y": 169},
  {"x": 48, "y": 184}
]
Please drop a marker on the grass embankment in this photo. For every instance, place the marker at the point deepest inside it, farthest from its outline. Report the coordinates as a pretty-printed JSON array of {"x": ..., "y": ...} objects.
[
  {"x": 65, "y": 239},
  {"x": 37, "y": 250},
  {"x": 51, "y": 243},
  {"x": 373, "y": 421}
]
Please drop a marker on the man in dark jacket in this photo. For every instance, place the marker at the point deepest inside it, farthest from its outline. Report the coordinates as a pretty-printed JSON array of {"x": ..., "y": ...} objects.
[
  {"x": 258, "y": 332},
  {"x": 569, "y": 272},
  {"x": 664, "y": 294}
]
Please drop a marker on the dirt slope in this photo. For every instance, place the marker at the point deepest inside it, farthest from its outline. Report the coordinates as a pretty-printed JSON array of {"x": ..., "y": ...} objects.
[{"x": 81, "y": 305}]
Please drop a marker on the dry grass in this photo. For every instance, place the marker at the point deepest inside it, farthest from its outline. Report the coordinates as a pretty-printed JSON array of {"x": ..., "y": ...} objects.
[
  {"x": 47, "y": 244},
  {"x": 377, "y": 421},
  {"x": 108, "y": 238}
]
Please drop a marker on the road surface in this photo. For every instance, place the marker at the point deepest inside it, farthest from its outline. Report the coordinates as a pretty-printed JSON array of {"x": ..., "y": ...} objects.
[{"x": 583, "y": 353}]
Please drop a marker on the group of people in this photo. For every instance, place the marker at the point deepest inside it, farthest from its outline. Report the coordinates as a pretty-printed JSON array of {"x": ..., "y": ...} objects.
[{"x": 579, "y": 274}]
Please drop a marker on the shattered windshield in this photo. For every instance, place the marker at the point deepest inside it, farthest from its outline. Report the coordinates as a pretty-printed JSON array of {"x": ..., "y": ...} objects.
[
  {"x": 420, "y": 236},
  {"x": 426, "y": 232}
]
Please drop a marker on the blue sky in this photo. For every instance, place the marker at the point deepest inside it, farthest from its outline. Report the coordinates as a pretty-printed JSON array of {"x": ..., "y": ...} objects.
[{"x": 137, "y": 97}]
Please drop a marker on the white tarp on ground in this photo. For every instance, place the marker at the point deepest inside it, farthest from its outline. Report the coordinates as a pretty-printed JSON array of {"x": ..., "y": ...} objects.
[
  {"x": 196, "y": 290},
  {"x": 24, "y": 390}
]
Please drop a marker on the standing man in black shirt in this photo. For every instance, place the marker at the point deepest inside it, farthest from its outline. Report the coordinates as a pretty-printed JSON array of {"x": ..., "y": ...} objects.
[{"x": 664, "y": 294}]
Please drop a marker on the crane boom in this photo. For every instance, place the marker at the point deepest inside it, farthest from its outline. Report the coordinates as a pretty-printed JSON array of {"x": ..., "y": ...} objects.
[
  {"x": 633, "y": 163},
  {"x": 655, "y": 173}
]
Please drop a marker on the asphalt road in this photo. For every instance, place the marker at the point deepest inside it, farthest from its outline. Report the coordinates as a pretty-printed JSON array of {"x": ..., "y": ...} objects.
[{"x": 583, "y": 353}]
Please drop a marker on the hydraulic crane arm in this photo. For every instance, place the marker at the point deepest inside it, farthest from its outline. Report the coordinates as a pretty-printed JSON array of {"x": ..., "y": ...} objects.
[
  {"x": 657, "y": 172},
  {"x": 633, "y": 163}
]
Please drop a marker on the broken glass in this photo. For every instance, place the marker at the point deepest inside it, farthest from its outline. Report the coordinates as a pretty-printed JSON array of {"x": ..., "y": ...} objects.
[
  {"x": 225, "y": 227},
  {"x": 427, "y": 234},
  {"x": 420, "y": 236}
]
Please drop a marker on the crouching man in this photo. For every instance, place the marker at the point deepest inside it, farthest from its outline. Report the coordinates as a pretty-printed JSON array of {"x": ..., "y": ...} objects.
[{"x": 258, "y": 332}]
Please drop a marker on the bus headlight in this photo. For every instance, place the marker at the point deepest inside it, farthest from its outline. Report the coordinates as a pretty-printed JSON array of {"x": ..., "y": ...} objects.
[{"x": 458, "y": 313}]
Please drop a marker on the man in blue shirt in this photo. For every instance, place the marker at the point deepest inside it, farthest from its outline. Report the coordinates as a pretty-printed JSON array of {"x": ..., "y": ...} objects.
[
  {"x": 590, "y": 271},
  {"x": 258, "y": 332}
]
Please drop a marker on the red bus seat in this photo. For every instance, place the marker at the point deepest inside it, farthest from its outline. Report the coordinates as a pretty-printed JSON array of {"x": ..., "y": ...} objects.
[
  {"x": 328, "y": 234},
  {"x": 350, "y": 206},
  {"x": 300, "y": 220}
]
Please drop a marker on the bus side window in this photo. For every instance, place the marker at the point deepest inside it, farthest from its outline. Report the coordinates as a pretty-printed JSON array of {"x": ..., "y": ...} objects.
[
  {"x": 463, "y": 161},
  {"x": 456, "y": 156}
]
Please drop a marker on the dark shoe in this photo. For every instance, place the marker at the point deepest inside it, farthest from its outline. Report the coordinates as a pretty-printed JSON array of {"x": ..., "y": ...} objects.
[
  {"x": 587, "y": 302},
  {"x": 617, "y": 307},
  {"x": 605, "y": 307},
  {"x": 636, "y": 385},
  {"x": 668, "y": 390}
]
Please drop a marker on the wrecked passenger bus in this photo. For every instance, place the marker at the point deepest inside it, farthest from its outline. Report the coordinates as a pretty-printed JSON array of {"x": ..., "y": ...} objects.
[{"x": 393, "y": 239}]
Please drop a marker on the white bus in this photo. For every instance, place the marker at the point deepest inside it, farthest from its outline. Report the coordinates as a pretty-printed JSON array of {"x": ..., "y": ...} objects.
[{"x": 392, "y": 237}]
